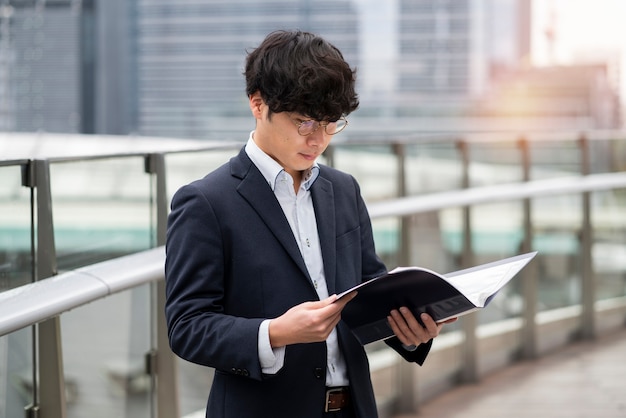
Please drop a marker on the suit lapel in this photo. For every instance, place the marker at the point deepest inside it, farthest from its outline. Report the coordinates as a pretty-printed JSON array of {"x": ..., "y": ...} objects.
[
  {"x": 324, "y": 204},
  {"x": 257, "y": 192}
]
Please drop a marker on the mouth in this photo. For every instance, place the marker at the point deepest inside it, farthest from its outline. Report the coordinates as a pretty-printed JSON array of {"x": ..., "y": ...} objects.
[{"x": 309, "y": 157}]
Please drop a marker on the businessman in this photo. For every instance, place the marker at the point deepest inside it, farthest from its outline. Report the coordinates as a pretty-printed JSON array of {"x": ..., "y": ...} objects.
[{"x": 258, "y": 249}]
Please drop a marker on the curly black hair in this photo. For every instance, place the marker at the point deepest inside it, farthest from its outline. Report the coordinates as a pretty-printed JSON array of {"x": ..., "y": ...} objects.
[{"x": 300, "y": 72}]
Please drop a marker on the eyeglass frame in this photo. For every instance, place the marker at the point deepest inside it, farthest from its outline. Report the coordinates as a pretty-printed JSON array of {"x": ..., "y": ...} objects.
[{"x": 319, "y": 124}]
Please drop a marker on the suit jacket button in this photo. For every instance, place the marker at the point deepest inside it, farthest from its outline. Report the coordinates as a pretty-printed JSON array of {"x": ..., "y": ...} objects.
[{"x": 319, "y": 372}]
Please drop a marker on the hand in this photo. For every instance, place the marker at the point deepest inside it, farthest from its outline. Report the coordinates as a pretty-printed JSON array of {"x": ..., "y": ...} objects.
[
  {"x": 308, "y": 322},
  {"x": 409, "y": 331}
]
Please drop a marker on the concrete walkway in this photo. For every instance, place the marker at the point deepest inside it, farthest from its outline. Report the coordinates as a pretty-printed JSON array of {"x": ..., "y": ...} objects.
[{"x": 583, "y": 380}]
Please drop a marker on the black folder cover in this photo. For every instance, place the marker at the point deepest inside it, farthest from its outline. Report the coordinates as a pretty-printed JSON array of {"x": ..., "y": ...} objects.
[{"x": 422, "y": 290}]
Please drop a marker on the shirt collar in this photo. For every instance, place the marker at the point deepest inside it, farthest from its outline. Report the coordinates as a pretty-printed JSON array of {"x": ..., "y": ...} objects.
[{"x": 270, "y": 169}]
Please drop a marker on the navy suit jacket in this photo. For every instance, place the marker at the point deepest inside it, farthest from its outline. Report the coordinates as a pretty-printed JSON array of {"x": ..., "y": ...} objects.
[{"x": 232, "y": 261}]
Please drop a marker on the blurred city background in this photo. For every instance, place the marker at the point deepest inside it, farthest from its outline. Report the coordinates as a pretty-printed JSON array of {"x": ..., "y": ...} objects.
[
  {"x": 108, "y": 106},
  {"x": 162, "y": 68}
]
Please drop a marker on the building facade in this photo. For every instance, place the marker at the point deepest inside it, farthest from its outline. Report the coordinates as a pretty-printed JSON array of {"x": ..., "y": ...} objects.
[
  {"x": 190, "y": 57},
  {"x": 174, "y": 69}
]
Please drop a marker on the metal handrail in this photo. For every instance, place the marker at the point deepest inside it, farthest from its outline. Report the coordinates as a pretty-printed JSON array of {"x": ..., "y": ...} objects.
[
  {"x": 186, "y": 146},
  {"x": 497, "y": 193},
  {"x": 41, "y": 303},
  {"x": 35, "y": 302}
]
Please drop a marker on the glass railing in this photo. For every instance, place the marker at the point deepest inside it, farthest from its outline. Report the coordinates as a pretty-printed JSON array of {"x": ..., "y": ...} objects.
[
  {"x": 102, "y": 209},
  {"x": 63, "y": 213},
  {"x": 15, "y": 223}
]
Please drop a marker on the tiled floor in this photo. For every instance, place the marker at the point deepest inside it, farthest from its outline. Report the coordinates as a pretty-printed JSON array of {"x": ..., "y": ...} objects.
[{"x": 584, "y": 380}]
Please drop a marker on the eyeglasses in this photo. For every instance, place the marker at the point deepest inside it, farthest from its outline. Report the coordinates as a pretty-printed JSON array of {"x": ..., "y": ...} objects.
[{"x": 308, "y": 127}]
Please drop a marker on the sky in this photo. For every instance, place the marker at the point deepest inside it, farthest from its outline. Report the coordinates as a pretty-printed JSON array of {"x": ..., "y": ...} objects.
[{"x": 582, "y": 29}]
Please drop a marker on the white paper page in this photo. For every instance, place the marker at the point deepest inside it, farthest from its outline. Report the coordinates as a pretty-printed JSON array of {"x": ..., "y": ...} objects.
[{"x": 478, "y": 283}]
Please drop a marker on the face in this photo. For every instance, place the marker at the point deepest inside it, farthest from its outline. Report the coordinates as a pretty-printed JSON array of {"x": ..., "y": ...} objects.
[{"x": 278, "y": 137}]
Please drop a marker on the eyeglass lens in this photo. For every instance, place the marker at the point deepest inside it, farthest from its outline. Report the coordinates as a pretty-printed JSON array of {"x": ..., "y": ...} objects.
[{"x": 331, "y": 128}]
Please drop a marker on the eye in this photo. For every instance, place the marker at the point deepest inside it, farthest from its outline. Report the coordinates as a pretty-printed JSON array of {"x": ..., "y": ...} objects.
[{"x": 307, "y": 123}]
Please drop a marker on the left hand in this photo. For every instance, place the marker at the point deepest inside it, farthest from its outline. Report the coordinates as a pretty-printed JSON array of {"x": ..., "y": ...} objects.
[{"x": 409, "y": 331}]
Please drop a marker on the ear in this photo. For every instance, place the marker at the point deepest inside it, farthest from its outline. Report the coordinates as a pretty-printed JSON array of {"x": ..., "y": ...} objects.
[{"x": 256, "y": 104}]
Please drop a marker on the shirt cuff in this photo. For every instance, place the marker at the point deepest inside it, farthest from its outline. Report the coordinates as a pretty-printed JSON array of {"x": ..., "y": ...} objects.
[{"x": 271, "y": 359}]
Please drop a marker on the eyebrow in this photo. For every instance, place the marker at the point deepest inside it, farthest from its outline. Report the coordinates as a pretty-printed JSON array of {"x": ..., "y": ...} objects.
[{"x": 300, "y": 117}]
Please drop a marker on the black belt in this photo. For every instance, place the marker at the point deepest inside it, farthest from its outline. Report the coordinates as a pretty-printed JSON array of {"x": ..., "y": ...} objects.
[{"x": 337, "y": 399}]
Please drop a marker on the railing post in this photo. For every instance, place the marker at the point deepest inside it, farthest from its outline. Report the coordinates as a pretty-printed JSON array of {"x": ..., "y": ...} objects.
[
  {"x": 588, "y": 286},
  {"x": 163, "y": 368},
  {"x": 329, "y": 154},
  {"x": 529, "y": 274},
  {"x": 49, "y": 386},
  {"x": 404, "y": 257},
  {"x": 469, "y": 322},
  {"x": 407, "y": 396}
]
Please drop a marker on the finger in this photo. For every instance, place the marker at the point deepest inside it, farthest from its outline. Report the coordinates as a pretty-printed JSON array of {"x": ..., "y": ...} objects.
[
  {"x": 420, "y": 332},
  {"x": 346, "y": 298},
  {"x": 325, "y": 302},
  {"x": 331, "y": 312},
  {"x": 395, "y": 327},
  {"x": 431, "y": 327},
  {"x": 406, "y": 334},
  {"x": 331, "y": 303}
]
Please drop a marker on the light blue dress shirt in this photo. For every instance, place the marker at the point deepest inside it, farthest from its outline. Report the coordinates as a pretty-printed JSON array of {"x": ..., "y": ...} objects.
[{"x": 298, "y": 208}]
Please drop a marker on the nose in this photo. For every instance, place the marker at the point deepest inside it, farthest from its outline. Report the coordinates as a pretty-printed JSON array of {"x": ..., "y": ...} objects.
[{"x": 316, "y": 138}]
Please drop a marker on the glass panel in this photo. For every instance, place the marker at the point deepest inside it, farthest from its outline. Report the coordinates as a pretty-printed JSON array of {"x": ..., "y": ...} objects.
[
  {"x": 186, "y": 167},
  {"x": 387, "y": 240},
  {"x": 16, "y": 358},
  {"x": 432, "y": 168},
  {"x": 497, "y": 232},
  {"x": 101, "y": 210},
  {"x": 427, "y": 246},
  {"x": 15, "y": 229},
  {"x": 495, "y": 163},
  {"x": 552, "y": 159},
  {"x": 104, "y": 344},
  {"x": 16, "y": 372},
  {"x": 557, "y": 223},
  {"x": 606, "y": 156},
  {"x": 451, "y": 224},
  {"x": 375, "y": 168},
  {"x": 609, "y": 246},
  {"x": 618, "y": 155}
]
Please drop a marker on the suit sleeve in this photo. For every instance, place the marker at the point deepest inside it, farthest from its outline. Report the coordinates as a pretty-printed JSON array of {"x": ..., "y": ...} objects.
[
  {"x": 199, "y": 330},
  {"x": 416, "y": 356}
]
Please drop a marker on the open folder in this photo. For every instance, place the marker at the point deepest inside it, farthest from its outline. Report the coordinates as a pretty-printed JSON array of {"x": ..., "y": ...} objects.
[{"x": 422, "y": 290}]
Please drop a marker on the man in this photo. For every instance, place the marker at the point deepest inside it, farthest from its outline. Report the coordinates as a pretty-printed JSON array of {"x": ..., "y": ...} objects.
[{"x": 258, "y": 249}]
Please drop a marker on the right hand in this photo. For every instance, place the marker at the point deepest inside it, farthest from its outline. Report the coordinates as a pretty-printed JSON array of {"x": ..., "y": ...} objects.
[
  {"x": 410, "y": 331},
  {"x": 307, "y": 322}
]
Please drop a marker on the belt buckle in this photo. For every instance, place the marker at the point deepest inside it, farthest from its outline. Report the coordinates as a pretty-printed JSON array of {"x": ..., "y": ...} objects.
[{"x": 328, "y": 393}]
